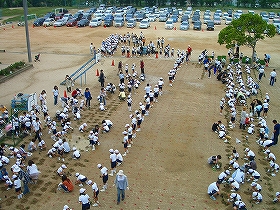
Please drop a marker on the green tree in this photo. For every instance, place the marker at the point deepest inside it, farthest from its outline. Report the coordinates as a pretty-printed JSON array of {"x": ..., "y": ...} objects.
[{"x": 246, "y": 31}]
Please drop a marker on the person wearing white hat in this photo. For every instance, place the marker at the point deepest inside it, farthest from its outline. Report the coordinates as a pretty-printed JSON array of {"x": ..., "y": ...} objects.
[
  {"x": 274, "y": 168},
  {"x": 129, "y": 134},
  {"x": 256, "y": 187},
  {"x": 119, "y": 157},
  {"x": 66, "y": 208},
  {"x": 125, "y": 142},
  {"x": 239, "y": 205},
  {"x": 113, "y": 161},
  {"x": 277, "y": 197},
  {"x": 84, "y": 199},
  {"x": 121, "y": 183},
  {"x": 95, "y": 191},
  {"x": 82, "y": 127},
  {"x": 256, "y": 196},
  {"x": 254, "y": 175},
  {"x": 139, "y": 119},
  {"x": 223, "y": 176},
  {"x": 17, "y": 184},
  {"x": 76, "y": 153},
  {"x": 233, "y": 184},
  {"x": 80, "y": 179},
  {"x": 160, "y": 85},
  {"x": 92, "y": 140},
  {"x": 129, "y": 103},
  {"x": 250, "y": 155},
  {"x": 234, "y": 197},
  {"x": 52, "y": 152},
  {"x": 61, "y": 170},
  {"x": 8, "y": 182},
  {"x": 104, "y": 176}
]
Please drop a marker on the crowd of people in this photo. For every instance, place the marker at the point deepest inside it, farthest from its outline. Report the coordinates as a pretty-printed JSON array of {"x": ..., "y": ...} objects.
[{"x": 252, "y": 119}]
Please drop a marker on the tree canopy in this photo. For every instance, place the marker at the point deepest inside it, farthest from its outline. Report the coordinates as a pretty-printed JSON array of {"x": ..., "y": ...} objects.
[{"x": 246, "y": 31}]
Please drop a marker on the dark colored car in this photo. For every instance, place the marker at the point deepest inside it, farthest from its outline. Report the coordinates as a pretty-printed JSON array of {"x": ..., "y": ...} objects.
[
  {"x": 38, "y": 22},
  {"x": 50, "y": 15},
  {"x": 185, "y": 18},
  {"x": 195, "y": 18},
  {"x": 83, "y": 23},
  {"x": 140, "y": 17},
  {"x": 210, "y": 25},
  {"x": 197, "y": 25},
  {"x": 78, "y": 16},
  {"x": 58, "y": 16},
  {"x": 108, "y": 22},
  {"x": 72, "y": 22}
]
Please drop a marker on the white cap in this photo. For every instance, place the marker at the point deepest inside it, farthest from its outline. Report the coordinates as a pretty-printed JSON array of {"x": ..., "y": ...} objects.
[
  {"x": 232, "y": 195},
  {"x": 16, "y": 169},
  {"x": 14, "y": 176},
  {"x": 65, "y": 207},
  {"x": 277, "y": 193},
  {"x": 111, "y": 150},
  {"x": 227, "y": 172},
  {"x": 84, "y": 124},
  {"x": 91, "y": 132},
  {"x": 77, "y": 174},
  {"x": 74, "y": 149},
  {"x": 120, "y": 172},
  {"x": 254, "y": 184},
  {"x": 53, "y": 149},
  {"x": 117, "y": 151},
  {"x": 90, "y": 181},
  {"x": 124, "y": 132},
  {"x": 247, "y": 150},
  {"x": 126, "y": 125},
  {"x": 255, "y": 194},
  {"x": 250, "y": 170},
  {"x": 230, "y": 179},
  {"x": 82, "y": 190},
  {"x": 63, "y": 166},
  {"x": 99, "y": 165}
]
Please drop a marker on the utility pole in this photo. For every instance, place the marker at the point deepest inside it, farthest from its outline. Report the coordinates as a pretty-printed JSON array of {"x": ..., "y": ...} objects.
[{"x": 26, "y": 31}]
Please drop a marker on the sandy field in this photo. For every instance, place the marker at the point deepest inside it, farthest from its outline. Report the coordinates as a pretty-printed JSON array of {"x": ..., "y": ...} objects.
[{"x": 167, "y": 164}]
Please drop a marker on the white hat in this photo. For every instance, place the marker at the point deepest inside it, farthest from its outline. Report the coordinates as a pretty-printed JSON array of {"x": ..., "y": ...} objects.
[
  {"x": 82, "y": 190},
  {"x": 63, "y": 166},
  {"x": 90, "y": 181},
  {"x": 227, "y": 172},
  {"x": 254, "y": 184},
  {"x": 77, "y": 174},
  {"x": 247, "y": 150},
  {"x": 53, "y": 149},
  {"x": 6, "y": 177},
  {"x": 19, "y": 156},
  {"x": 272, "y": 164},
  {"x": 231, "y": 162},
  {"x": 117, "y": 151},
  {"x": 124, "y": 132},
  {"x": 120, "y": 172},
  {"x": 16, "y": 169},
  {"x": 14, "y": 176},
  {"x": 84, "y": 124},
  {"x": 65, "y": 207},
  {"x": 91, "y": 132},
  {"x": 255, "y": 194},
  {"x": 277, "y": 193},
  {"x": 232, "y": 195},
  {"x": 267, "y": 151},
  {"x": 74, "y": 149},
  {"x": 140, "y": 103},
  {"x": 127, "y": 125},
  {"x": 250, "y": 170},
  {"x": 99, "y": 165},
  {"x": 111, "y": 150},
  {"x": 11, "y": 148},
  {"x": 230, "y": 179}
]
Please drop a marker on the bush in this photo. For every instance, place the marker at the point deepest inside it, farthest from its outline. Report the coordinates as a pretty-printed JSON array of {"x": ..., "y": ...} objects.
[{"x": 10, "y": 69}]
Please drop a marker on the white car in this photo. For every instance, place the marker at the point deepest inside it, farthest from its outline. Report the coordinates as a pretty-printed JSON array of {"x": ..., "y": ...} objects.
[
  {"x": 228, "y": 20},
  {"x": 48, "y": 22},
  {"x": 60, "y": 22},
  {"x": 144, "y": 23},
  {"x": 169, "y": 24},
  {"x": 95, "y": 22},
  {"x": 152, "y": 18}
]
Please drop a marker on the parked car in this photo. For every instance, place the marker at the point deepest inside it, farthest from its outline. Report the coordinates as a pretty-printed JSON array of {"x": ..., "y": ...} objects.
[
  {"x": 185, "y": 18},
  {"x": 78, "y": 16},
  {"x": 58, "y": 16},
  {"x": 38, "y": 22},
  {"x": 95, "y": 22},
  {"x": 119, "y": 23},
  {"x": 228, "y": 20},
  {"x": 49, "y": 15},
  {"x": 217, "y": 21},
  {"x": 206, "y": 19},
  {"x": 169, "y": 24},
  {"x": 83, "y": 23},
  {"x": 163, "y": 17},
  {"x": 48, "y": 22},
  {"x": 60, "y": 22},
  {"x": 271, "y": 15},
  {"x": 184, "y": 26},
  {"x": 144, "y": 23},
  {"x": 68, "y": 16},
  {"x": 265, "y": 18},
  {"x": 108, "y": 22},
  {"x": 197, "y": 25},
  {"x": 195, "y": 18},
  {"x": 210, "y": 25},
  {"x": 174, "y": 18},
  {"x": 131, "y": 23},
  {"x": 128, "y": 16},
  {"x": 152, "y": 18},
  {"x": 72, "y": 22}
]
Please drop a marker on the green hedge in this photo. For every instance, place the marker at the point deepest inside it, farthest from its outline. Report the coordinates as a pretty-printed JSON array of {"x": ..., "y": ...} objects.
[{"x": 10, "y": 69}]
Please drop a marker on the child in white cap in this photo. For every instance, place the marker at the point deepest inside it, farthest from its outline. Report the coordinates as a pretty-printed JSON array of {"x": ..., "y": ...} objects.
[
  {"x": 104, "y": 176},
  {"x": 83, "y": 127},
  {"x": 256, "y": 187},
  {"x": 95, "y": 191},
  {"x": 61, "y": 170},
  {"x": 256, "y": 196},
  {"x": 17, "y": 184},
  {"x": 113, "y": 161},
  {"x": 80, "y": 179},
  {"x": 9, "y": 184},
  {"x": 84, "y": 199},
  {"x": 52, "y": 152},
  {"x": 76, "y": 153},
  {"x": 66, "y": 208},
  {"x": 277, "y": 197}
]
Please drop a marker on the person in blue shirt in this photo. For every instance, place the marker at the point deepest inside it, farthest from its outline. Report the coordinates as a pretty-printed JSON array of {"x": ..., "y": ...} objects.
[
  {"x": 121, "y": 185},
  {"x": 88, "y": 97},
  {"x": 275, "y": 131}
]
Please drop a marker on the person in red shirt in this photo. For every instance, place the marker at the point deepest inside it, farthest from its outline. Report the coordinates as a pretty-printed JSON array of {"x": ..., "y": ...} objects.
[
  {"x": 189, "y": 52},
  {"x": 66, "y": 184}
]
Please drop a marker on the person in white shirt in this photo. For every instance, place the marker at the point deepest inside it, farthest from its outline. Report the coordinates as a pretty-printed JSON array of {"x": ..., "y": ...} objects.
[
  {"x": 256, "y": 187},
  {"x": 222, "y": 177},
  {"x": 113, "y": 161},
  {"x": 84, "y": 199},
  {"x": 233, "y": 184},
  {"x": 17, "y": 184},
  {"x": 33, "y": 171},
  {"x": 254, "y": 175},
  {"x": 80, "y": 179},
  {"x": 119, "y": 157},
  {"x": 104, "y": 176},
  {"x": 233, "y": 197},
  {"x": 76, "y": 153},
  {"x": 160, "y": 85},
  {"x": 265, "y": 108},
  {"x": 256, "y": 196},
  {"x": 250, "y": 154},
  {"x": 213, "y": 190},
  {"x": 60, "y": 171},
  {"x": 95, "y": 191},
  {"x": 273, "y": 75}
]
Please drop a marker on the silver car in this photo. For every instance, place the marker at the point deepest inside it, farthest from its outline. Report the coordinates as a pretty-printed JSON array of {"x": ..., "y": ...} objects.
[
  {"x": 144, "y": 23},
  {"x": 131, "y": 23}
]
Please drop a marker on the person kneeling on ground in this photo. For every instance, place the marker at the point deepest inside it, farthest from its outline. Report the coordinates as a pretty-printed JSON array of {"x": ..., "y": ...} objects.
[
  {"x": 213, "y": 190},
  {"x": 214, "y": 160},
  {"x": 66, "y": 184}
]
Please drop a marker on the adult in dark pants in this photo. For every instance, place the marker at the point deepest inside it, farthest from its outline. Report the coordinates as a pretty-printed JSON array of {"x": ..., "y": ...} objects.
[
  {"x": 142, "y": 67},
  {"x": 88, "y": 97},
  {"x": 121, "y": 185},
  {"x": 275, "y": 131},
  {"x": 101, "y": 78}
]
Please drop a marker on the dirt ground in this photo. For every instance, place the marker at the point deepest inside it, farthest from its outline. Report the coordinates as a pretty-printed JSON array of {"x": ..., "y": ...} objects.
[{"x": 167, "y": 164}]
